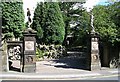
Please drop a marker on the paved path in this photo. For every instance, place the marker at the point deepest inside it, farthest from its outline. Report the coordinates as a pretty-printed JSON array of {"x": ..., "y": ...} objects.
[
  {"x": 59, "y": 70},
  {"x": 61, "y": 66}
]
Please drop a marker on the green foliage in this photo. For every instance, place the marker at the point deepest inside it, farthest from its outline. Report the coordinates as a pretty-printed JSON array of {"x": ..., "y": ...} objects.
[
  {"x": 12, "y": 19},
  {"x": 76, "y": 21},
  {"x": 48, "y": 21},
  {"x": 105, "y": 25},
  {"x": 54, "y": 30},
  {"x": 39, "y": 53},
  {"x": 38, "y": 20},
  {"x": 116, "y": 13},
  {"x": 82, "y": 28},
  {"x": 49, "y": 51},
  {"x": 65, "y": 8},
  {"x": 115, "y": 16}
]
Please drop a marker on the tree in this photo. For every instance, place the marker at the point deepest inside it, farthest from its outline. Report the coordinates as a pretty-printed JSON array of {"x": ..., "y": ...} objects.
[
  {"x": 12, "y": 19},
  {"x": 104, "y": 24},
  {"x": 38, "y": 19},
  {"x": 51, "y": 21},
  {"x": 82, "y": 28},
  {"x": 115, "y": 16},
  {"x": 54, "y": 30},
  {"x": 76, "y": 21}
]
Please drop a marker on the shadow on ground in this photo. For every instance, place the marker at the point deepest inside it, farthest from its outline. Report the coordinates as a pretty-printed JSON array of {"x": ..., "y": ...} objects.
[{"x": 74, "y": 63}]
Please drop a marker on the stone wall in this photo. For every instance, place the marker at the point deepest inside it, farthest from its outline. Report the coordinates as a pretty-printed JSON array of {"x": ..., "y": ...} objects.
[{"x": 4, "y": 58}]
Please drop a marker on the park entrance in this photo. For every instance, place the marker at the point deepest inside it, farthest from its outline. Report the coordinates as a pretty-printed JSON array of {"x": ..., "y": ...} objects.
[{"x": 22, "y": 54}]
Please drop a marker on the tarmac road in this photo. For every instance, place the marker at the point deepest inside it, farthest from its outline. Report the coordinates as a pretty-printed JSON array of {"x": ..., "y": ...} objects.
[{"x": 108, "y": 77}]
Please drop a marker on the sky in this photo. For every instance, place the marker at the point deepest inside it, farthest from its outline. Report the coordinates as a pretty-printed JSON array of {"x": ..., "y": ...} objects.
[
  {"x": 31, "y": 4},
  {"x": 91, "y": 3}
]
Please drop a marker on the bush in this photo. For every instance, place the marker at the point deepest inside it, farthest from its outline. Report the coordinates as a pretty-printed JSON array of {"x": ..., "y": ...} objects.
[
  {"x": 49, "y": 51},
  {"x": 115, "y": 63},
  {"x": 39, "y": 53},
  {"x": 12, "y": 19}
]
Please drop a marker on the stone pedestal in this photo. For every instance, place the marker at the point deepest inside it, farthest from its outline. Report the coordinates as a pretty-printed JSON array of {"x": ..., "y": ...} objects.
[
  {"x": 95, "y": 59},
  {"x": 29, "y": 51}
]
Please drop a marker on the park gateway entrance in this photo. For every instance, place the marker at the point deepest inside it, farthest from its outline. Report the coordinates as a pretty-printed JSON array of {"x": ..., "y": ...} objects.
[{"x": 25, "y": 51}]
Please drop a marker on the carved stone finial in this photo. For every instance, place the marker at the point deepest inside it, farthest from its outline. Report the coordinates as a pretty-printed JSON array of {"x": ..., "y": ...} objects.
[{"x": 92, "y": 20}]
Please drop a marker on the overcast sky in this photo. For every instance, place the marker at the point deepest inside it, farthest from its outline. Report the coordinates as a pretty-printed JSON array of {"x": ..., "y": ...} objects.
[{"x": 31, "y": 4}]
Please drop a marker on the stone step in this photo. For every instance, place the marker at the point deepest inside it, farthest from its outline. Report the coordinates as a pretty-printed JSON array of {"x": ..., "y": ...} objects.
[
  {"x": 77, "y": 49},
  {"x": 72, "y": 54},
  {"x": 75, "y": 52}
]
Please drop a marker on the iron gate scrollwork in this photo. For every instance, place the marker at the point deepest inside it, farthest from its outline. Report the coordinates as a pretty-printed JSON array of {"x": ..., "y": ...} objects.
[{"x": 15, "y": 52}]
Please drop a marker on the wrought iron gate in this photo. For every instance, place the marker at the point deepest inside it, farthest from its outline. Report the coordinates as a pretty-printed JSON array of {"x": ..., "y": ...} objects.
[{"x": 15, "y": 52}]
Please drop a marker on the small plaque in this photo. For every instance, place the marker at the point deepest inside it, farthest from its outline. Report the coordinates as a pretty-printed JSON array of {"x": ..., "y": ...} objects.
[
  {"x": 94, "y": 46},
  {"x": 94, "y": 58},
  {"x": 29, "y": 59},
  {"x": 29, "y": 45}
]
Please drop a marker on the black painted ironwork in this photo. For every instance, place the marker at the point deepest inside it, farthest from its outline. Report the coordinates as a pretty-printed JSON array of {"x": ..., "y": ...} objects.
[{"x": 15, "y": 52}]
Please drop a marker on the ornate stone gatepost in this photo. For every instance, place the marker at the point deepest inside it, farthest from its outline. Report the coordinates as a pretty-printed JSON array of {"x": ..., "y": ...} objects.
[
  {"x": 94, "y": 49},
  {"x": 95, "y": 60},
  {"x": 29, "y": 45},
  {"x": 29, "y": 50}
]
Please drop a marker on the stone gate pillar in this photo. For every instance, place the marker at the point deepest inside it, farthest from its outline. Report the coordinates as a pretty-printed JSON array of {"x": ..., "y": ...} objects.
[
  {"x": 93, "y": 50},
  {"x": 29, "y": 45},
  {"x": 95, "y": 59}
]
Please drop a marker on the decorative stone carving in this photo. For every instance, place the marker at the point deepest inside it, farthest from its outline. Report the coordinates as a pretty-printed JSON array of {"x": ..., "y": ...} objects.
[
  {"x": 94, "y": 60},
  {"x": 14, "y": 53},
  {"x": 29, "y": 50},
  {"x": 29, "y": 59},
  {"x": 94, "y": 45},
  {"x": 29, "y": 45}
]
